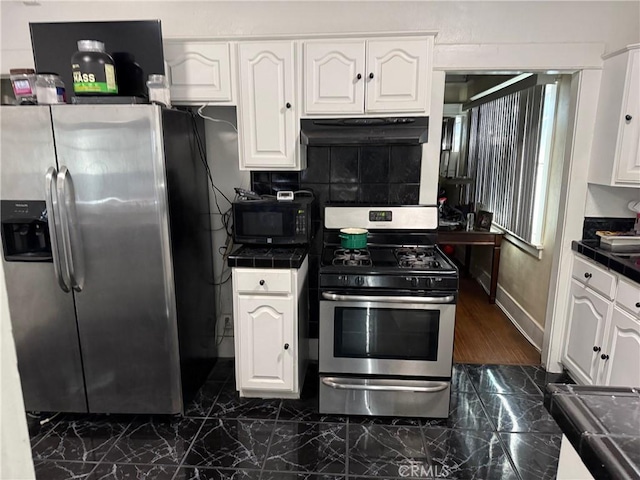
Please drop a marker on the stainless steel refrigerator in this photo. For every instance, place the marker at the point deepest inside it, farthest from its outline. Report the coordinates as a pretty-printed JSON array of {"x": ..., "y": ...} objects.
[{"x": 107, "y": 256}]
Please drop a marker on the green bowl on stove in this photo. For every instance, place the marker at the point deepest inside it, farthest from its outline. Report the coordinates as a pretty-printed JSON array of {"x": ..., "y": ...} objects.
[{"x": 353, "y": 238}]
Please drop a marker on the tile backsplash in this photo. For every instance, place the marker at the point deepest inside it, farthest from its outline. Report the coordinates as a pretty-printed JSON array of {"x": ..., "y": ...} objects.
[{"x": 380, "y": 174}]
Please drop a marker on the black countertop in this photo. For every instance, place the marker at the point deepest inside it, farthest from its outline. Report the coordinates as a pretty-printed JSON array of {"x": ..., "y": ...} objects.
[
  {"x": 602, "y": 424},
  {"x": 268, "y": 257},
  {"x": 627, "y": 265}
]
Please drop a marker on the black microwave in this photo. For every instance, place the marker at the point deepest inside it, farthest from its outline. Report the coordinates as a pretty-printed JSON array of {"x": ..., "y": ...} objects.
[{"x": 272, "y": 222}]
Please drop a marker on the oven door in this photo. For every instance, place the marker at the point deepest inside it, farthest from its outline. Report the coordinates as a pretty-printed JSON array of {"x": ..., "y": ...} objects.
[{"x": 387, "y": 334}]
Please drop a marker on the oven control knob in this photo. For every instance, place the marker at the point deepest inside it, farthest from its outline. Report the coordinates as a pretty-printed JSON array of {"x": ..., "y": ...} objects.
[
  {"x": 429, "y": 282},
  {"x": 359, "y": 281},
  {"x": 343, "y": 279},
  {"x": 414, "y": 282}
]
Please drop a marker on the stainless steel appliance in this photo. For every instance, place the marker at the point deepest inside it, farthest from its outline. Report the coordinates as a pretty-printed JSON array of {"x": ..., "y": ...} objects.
[
  {"x": 107, "y": 256},
  {"x": 387, "y": 315},
  {"x": 268, "y": 221}
]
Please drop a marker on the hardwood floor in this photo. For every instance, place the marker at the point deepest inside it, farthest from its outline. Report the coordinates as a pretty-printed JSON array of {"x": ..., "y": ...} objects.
[{"x": 483, "y": 334}]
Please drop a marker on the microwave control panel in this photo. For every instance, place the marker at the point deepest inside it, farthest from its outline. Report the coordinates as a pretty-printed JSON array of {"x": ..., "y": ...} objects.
[{"x": 301, "y": 224}]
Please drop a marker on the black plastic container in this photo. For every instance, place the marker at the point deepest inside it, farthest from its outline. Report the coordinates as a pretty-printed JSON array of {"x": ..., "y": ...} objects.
[{"x": 94, "y": 70}]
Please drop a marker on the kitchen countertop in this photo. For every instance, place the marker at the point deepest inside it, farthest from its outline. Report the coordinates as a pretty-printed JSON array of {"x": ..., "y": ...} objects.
[
  {"x": 268, "y": 257},
  {"x": 627, "y": 265},
  {"x": 602, "y": 424}
]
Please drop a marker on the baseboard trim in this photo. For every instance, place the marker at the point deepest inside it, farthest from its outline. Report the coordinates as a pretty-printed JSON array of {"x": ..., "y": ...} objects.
[{"x": 515, "y": 312}]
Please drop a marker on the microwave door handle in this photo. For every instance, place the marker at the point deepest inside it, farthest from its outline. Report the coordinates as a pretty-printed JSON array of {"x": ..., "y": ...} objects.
[
  {"x": 398, "y": 386},
  {"x": 51, "y": 201},
  {"x": 70, "y": 228},
  {"x": 336, "y": 297}
]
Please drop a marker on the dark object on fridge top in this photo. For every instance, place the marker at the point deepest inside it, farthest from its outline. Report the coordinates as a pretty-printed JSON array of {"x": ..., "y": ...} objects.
[
  {"x": 54, "y": 44},
  {"x": 483, "y": 220}
]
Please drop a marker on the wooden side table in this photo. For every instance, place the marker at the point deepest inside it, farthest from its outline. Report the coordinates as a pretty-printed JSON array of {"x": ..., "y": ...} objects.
[{"x": 476, "y": 237}]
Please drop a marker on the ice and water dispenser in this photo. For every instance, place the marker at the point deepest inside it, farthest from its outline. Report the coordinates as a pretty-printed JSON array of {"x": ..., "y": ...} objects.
[{"x": 25, "y": 231}]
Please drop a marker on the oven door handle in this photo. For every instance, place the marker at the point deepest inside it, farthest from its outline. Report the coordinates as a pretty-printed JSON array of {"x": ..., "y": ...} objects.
[
  {"x": 336, "y": 297},
  {"x": 385, "y": 385}
]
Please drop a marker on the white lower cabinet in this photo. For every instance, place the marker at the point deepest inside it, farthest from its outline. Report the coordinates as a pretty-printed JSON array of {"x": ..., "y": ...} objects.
[
  {"x": 588, "y": 314},
  {"x": 266, "y": 343},
  {"x": 270, "y": 325},
  {"x": 621, "y": 351},
  {"x": 603, "y": 335}
]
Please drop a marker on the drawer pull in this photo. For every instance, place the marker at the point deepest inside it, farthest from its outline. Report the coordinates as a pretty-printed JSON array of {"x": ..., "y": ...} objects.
[
  {"x": 286, "y": 346},
  {"x": 604, "y": 356},
  {"x": 587, "y": 275},
  {"x": 596, "y": 349},
  {"x": 261, "y": 282}
]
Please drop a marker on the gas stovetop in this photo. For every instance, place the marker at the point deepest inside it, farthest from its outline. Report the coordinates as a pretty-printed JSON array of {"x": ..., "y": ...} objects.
[
  {"x": 425, "y": 259},
  {"x": 401, "y": 253},
  {"x": 391, "y": 268}
]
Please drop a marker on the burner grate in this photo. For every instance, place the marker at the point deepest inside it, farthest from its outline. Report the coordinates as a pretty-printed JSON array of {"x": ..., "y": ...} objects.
[
  {"x": 352, "y": 258},
  {"x": 416, "y": 258}
]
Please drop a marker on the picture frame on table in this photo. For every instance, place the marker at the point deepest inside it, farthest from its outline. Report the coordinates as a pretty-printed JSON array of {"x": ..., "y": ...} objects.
[{"x": 483, "y": 220}]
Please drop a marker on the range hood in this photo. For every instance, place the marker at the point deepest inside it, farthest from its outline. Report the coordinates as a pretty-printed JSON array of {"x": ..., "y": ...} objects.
[{"x": 364, "y": 131}]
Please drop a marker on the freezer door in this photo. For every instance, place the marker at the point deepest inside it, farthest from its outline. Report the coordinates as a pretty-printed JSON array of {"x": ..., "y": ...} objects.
[
  {"x": 42, "y": 315},
  {"x": 112, "y": 182}
]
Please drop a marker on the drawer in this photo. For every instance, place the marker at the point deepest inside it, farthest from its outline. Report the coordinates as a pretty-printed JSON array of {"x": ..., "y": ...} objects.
[
  {"x": 594, "y": 277},
  {"x": 262, "y": 281},
  {"x": 628, "y": 297}
]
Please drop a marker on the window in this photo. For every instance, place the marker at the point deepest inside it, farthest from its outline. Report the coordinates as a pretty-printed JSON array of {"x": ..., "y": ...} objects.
[{"x": 509, "y": 150}]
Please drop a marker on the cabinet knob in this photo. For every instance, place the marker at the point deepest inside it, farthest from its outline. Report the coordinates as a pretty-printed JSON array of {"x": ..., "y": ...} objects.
[
  {"x": 587, "y": 275},
  {"x": 628, "y": 118},
  {"x": 359, "y": 76},
  {"x": 371, "y": 75},
  {"x": 288, "y": 105},
  {"x": 596, "y": 349},
  {"x": 604, "y": 356},
  {"x": 261, "y": 282},
  {"x": 286, "y": 346},
  {"x": 638, "y": 305}
]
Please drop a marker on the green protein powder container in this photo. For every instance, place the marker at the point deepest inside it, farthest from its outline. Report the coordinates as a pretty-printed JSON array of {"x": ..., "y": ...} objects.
[{"x": 94, "y": 72}]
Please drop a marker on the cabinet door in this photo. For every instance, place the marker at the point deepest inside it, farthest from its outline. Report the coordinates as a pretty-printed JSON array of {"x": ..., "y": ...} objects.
[
  {"x": 267, "y": 343},
  {"x": 622, "y": 345},
  {"x": 331, "y": 77},
  {"x": 587, "y": 315},
  {"x": 398, "y": 75},
  {"x": 268, "y": 121},
  {"x": 199, "y": 71},
  {"x": 629, "y": 139}
]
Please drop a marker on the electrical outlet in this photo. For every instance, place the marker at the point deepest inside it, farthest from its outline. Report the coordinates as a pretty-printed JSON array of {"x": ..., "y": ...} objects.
[{"x": 227, "y": 321}]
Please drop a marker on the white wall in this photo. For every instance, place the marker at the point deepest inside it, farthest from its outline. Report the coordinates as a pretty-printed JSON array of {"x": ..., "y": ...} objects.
[
  {"x": 222, "y": 156},
  {"x": 615, "y": 24},
  {"x": 603, "y": 201}
]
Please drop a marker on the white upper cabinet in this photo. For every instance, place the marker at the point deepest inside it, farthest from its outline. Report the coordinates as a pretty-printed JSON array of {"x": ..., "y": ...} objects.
[
  {"x": 268, "y": 119},
  {"x": 389, "y": 75},
  {"x": 398, "y": 73},
  {"x": 615, "y": 156},
  {"x": 199, "y": 71},
  {"x": 334, "y": 73}
]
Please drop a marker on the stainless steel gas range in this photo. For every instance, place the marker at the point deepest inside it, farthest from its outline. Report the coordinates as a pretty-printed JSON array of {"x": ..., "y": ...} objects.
[{"x": 387, "y": 315}]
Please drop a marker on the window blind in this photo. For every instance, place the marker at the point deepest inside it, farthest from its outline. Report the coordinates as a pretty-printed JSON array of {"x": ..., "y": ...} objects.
[{"x": 504, "y": 153}]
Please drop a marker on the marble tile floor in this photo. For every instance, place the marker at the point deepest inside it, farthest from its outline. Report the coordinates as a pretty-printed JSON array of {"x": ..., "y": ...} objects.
[{"x": 498, "y": 428}]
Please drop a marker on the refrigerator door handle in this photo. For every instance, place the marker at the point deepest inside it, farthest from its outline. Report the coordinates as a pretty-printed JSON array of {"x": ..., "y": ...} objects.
[
  {"x": 73, "y": 242},
  {"x": 51, "y": 200}
]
